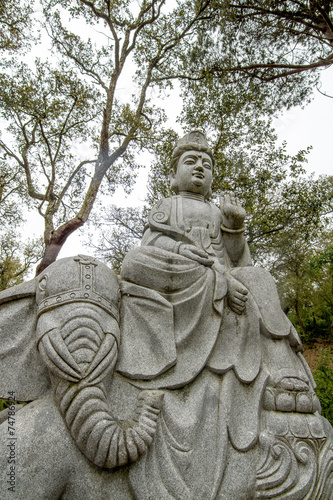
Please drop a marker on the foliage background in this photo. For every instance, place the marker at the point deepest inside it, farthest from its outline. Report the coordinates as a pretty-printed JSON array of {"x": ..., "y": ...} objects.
[{"x": 77, "y": 118}]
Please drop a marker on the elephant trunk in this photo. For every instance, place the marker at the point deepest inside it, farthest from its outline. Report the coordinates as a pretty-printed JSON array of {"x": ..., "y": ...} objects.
[
  {"x": 103, "y": 440},
  {"x": 80, "y": 355}
]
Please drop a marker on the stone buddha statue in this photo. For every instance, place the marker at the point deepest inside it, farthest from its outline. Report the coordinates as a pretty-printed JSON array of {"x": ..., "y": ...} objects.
[{"x": 181, "y": 379}]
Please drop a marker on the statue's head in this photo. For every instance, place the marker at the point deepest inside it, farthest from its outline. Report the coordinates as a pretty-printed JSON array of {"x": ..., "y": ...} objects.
[{"x": 192, "y": 165}]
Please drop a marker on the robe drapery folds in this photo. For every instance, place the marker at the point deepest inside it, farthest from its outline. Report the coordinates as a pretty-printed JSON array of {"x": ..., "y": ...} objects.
[
  {"x": 173, "y": 313},
  {"x": 178, "y": 334}
]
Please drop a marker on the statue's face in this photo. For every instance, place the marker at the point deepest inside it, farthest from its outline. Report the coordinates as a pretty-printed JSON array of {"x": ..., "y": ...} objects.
[{"x": 194, "y": 172}]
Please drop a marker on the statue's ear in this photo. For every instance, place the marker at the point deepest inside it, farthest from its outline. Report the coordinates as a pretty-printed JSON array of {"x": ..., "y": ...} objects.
[
  {"x": 173, "y": 182},
  {"x": 21, "y": 368}
]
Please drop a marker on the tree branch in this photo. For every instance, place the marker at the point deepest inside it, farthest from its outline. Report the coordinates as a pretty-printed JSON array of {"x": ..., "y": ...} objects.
[
  {"x": 70, "y": 179},
  {"x": 293, "y": 68}
]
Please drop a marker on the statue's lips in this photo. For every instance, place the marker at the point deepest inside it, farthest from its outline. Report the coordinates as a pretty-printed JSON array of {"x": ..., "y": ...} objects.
[{"x": 198, "y": 175}]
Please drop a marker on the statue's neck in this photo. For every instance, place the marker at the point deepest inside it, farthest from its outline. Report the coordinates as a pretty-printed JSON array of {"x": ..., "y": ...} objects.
[{"x": 192, "y": 196}]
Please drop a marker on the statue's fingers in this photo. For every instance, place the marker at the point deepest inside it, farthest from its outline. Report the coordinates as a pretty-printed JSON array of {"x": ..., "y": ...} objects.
[
  {"x": 242, "y": 290},
  {"x": 199, "y": 256},
  {"x": 234, "y": 200},
  {"x": 241, "y": 296},
  {"x": 238, "y": 302},
  {"x": 205, "y": 261},
  {"x": 223, "y": 195},
  {"x": 237, "y": 309},
  {"x": 199, "y": 251},
  {"x": 226, "y": 198}
]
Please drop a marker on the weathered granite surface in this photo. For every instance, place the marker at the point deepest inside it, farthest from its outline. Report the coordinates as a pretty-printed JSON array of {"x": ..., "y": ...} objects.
[{"x": 181, "y": 379}]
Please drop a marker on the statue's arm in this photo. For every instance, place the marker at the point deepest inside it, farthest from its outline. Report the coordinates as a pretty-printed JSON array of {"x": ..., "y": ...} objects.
[
  {"x": 160, "y": 240},
  {"x": 233, "y": 227},
  {"x": 237, "y": 249}
]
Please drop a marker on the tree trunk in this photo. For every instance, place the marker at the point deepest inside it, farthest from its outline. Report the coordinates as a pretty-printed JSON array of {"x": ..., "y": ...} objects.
[{"x": 56, "y": 242}]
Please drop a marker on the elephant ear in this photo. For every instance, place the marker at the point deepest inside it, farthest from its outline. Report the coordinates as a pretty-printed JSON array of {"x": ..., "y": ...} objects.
[{"x": 23, "y": 375}]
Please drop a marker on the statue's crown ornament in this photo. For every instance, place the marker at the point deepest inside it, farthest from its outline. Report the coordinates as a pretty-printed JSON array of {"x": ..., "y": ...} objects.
[{"x": 195, "y": 138}]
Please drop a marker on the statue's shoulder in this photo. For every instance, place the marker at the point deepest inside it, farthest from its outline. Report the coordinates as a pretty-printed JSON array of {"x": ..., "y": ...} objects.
[{"x": 160, "y": 213}]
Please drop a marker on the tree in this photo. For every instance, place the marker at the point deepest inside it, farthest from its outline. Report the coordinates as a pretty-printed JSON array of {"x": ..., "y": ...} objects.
[
  {"x": 305, "y": 283},
  {"x": 11, "y": 191},
  {"x": 72, "y": 133},
  {"x": 120, "y": 230},
  {"x": 320, "y": 322},
  {"x": 49, "y": 108},
  {"x": 322, "y": 266},
  {"x": 273, "y": 47},
  {"x": 47, "y": 111},
  {"x": 305, "y": 27},
  {"x": 15, "y": 24},
  {"x": 16, "y": 256},
  {"x": 16, "y": 259}
]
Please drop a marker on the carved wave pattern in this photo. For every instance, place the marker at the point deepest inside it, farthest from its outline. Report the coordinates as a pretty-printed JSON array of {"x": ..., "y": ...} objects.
[
  {"x": 286, "y": 460},
  {"x": 79, "y": 351},
  {"x": 324, "y": 484},
  {"x": 294, "y": 469},
  {"x": 80, "y": 355}
]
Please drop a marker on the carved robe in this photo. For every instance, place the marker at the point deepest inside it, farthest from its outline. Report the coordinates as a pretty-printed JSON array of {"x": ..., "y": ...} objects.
[
  {"x": 178, "y": 333},
  {"x": 172, "y": 306}
]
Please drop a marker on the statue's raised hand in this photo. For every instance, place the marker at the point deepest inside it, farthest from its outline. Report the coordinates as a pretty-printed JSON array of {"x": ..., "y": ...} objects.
[{"x": 233, "y": 214}]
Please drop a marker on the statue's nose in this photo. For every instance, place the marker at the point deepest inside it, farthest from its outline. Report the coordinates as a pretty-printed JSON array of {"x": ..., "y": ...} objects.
[{"x": 199, "y": 165}]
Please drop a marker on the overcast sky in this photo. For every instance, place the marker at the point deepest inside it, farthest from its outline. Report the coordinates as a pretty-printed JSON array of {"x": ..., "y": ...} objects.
[{"x": 312, "y": 126}]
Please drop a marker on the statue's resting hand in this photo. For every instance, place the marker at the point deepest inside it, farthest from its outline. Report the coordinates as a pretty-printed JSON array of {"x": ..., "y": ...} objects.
[
  {"x": 194, "y": 253},
  {"x": 237, "y": 295}
]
